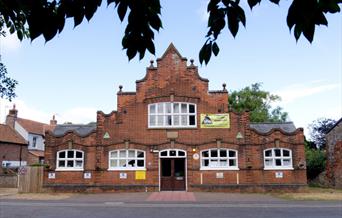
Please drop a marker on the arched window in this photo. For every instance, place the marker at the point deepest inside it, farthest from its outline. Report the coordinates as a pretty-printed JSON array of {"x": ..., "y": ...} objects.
[
  {"x": 70, "y": 159},
  {"x": 130, "y": 159},
  {"x": 172, "y": 114},
  {"x": 219, "y": 159},
  {"x": 172, "y": 153},
  {"x": 277, "y": 158}
]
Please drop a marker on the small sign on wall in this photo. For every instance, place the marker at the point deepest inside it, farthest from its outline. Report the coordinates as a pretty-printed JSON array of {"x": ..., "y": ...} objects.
[
  {"x": 123, "y": 175},
  {"x": 219, "y": 176},
  {"x": 140, "y": 175},
  {"x": 51, "y": 175},
  {"x": 87, "y": 175},
  {"x": 195, "y": 156},
  {"x": 279, "y": 175}
]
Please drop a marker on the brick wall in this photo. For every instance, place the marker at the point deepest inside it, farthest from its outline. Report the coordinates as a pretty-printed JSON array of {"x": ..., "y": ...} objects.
[{"x": 11, "y": 152}]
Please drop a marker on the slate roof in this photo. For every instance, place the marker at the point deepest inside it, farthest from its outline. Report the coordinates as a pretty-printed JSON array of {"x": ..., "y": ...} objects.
[
  {"x": 7, "y": 134},
  {"x": 34, "y": 126},
  {"x": 287, "y": 127},
  {"x": 80, "y": 129}
]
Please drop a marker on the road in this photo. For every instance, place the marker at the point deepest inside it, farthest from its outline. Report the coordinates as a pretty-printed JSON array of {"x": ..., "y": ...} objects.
[{"x": 143, "y": 209}]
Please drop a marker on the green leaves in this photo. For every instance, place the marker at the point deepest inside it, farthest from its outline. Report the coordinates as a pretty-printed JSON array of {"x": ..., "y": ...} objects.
[
  {"x": 305, "y": 15},
  {"x": 7, "y": 85},
  {"x": 220, "y": 13}
]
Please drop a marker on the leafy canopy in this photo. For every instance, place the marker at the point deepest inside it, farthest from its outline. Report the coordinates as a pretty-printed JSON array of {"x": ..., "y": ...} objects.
[
  {"x": 318, "y": 130},
  {"x": 7, "y": 85},
  {"x": 32, "y": 18},
  {"x": 258, "y": 103}
]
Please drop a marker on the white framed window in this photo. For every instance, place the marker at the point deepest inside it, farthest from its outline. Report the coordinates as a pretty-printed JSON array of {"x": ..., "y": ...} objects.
[
  {"x": 130, "y": 159},
  {"x": 278, "y": 158},
  {"x": 172, "y": 153},
  {"x": 70, "y": 160},
  {"x": 219, "y": 159},
  {"x": 171, "y": 115},
  {"x": 34, "y": 141}
]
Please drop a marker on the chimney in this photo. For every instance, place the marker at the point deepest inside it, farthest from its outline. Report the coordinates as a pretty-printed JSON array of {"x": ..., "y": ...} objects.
[
  {"x": 12, "y": 116},
  {"x": 53, "y": 122}
]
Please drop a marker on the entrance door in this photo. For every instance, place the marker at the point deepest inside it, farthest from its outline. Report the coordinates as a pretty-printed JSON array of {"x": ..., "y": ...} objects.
[{"x": 172, "y": 176}]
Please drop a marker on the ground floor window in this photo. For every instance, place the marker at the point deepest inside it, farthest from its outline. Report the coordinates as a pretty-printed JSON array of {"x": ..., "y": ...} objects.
[
  {"x": 70, "y": 159},
  {"x": 219, "y": 159},
  {"x": 130, "y": 159},
  {"x": 277, "y": 158}
]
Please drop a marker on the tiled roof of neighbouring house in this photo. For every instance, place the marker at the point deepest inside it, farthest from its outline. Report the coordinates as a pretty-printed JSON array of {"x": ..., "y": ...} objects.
[
  {"x": 34, "y": 126},
  {"x": 287, "y": 127},
  {"x": 80, "y": 129},
  {"x": 7, "y": 134}
]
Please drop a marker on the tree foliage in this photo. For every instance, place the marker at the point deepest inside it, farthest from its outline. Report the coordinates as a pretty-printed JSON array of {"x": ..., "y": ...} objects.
[
  {"x": 7, "y": 85},
  {"x": 318, "y": 130},
  {"x": 32, "y": 18},
  {"x": 258, "y": 102},
  {"x": 315, "y": 160}
]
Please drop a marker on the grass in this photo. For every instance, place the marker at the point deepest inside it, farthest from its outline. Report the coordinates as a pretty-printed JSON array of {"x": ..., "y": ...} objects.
[{"x": 314, "y": 194}]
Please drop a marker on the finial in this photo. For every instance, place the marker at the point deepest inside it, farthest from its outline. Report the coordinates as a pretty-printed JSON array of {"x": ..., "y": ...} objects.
[
  {"x": 151, "y": 63},
  {"x": 191, "y": 62},
  {"x": 53, "y": 117},
  {"x": 13, "y": 106},
  {"x": 224, "y": 86},
  {"x": 120, "y": 88}
]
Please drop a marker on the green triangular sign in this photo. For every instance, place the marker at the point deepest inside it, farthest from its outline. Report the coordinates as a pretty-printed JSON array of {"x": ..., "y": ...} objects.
[{"x": 106, "y": 136}]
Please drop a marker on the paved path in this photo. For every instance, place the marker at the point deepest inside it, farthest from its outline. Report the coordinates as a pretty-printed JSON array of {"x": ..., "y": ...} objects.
[{"x": 172, "y": 196}]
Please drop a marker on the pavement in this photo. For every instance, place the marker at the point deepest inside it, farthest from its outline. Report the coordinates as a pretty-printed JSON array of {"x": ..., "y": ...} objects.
[{"x": 161, "y": 204}]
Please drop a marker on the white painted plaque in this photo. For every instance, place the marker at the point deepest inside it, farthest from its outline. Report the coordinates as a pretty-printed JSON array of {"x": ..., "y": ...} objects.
[
  {"x": 219, "y": 175},
  {"x": 123, "y": 175},
  {"x": 279, "y": 174},
  {"x": 51, "y": 175},
  {"x": 195, "y": 156},
  {"x": 87, "y": 175}
]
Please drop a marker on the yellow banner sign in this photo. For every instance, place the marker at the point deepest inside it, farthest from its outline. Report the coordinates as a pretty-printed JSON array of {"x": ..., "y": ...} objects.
[
  {"x": 140, "y": 175},
  {"x": 215, "y": 121}
]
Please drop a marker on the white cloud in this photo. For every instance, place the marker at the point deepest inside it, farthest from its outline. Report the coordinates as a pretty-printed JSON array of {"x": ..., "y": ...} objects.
[
  {"x": 297, "y": 91},
  {"x": 77, "y": 115}
]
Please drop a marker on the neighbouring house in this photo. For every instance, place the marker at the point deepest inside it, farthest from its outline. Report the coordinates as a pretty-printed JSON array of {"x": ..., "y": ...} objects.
[
  {"x": 33, "y": 132},
  {"x": 173, "y": 133},
  {"x": 13, "y": 149},
  {"x": 334, "y": 155}
]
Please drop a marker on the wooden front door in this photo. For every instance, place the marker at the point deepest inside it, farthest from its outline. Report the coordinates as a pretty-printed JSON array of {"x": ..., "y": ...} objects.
[{"x": 172, "y": 174}]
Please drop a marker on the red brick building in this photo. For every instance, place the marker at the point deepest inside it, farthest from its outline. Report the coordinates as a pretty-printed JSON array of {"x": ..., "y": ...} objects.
[
  {"x": 334, "y": 155},
  {"x": 13, "y": 149},
  {"x": 173, "y": 133}
]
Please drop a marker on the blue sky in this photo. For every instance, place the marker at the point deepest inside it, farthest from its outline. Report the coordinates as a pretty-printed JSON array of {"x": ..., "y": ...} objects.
[{"x": 79, "y": 71}]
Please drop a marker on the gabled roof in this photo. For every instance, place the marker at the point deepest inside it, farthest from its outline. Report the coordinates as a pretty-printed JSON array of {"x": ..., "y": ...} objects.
[
  {"x": 79, "y": 129},
  {"x": 7, "y": 134},
  {"x": 34, "y": 126},
  {"x": 287, "y": 127},
  {"x": 339, "y": 121},
  {"x": 171, "y": 49}
]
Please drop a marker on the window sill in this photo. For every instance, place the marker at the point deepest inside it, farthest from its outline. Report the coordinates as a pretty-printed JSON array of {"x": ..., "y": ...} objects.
[
  {"x": 279, "y": 168},
  {"x": 126, "y": 169},
  {"x": 220, "y": 168},
  {"x": 171, "y": 127},
  {"x": 70, "y": 169}
]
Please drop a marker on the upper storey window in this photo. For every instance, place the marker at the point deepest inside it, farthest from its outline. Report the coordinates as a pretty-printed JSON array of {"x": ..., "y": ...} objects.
[{"x": 171, "y": 114}]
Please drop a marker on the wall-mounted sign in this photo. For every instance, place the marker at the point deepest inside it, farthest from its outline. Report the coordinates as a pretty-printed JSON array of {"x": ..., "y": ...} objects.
[
  {"x": 140, "y": 175},
  {"x": 106, "y": 136},
  {"x": 195, "y": 156},
  {"x": 219, "y": 176},
  {"x": 123, "y": 175},
  {"x": 51, "y": 175},
  {"x": 215, "y": 121},
  {"x": 279, "y": 174},
  {"x": 87, "y": 175}
]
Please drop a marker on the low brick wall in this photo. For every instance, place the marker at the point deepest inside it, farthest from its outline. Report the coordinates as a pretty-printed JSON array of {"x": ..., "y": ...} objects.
[{"x": 8, "y": 181}]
